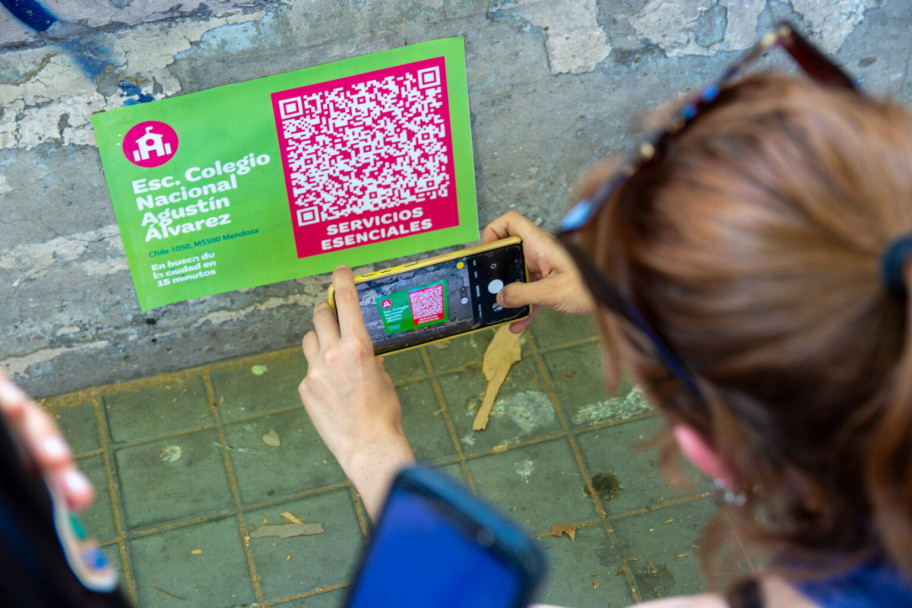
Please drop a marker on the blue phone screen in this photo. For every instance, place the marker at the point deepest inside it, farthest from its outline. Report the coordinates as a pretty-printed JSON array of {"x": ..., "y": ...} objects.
[{"x": 420, "y": 559}]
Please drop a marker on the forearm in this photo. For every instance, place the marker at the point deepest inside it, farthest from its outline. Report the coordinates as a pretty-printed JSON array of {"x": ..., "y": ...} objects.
[{"x": 372, "y": 468}]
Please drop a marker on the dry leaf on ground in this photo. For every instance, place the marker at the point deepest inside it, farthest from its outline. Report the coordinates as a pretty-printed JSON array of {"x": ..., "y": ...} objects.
[{"x": 561, "y": 529}]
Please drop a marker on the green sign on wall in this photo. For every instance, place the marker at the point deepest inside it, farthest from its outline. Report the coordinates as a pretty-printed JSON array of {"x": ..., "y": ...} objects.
[{"x": 286, "y": 176}]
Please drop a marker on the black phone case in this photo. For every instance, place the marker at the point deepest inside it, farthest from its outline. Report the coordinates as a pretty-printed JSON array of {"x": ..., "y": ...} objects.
[{"x": 35, "y": 573}]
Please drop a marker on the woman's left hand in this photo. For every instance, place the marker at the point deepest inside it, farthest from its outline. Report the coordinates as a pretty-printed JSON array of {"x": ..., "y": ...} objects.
[{"x": 44, "y": 444}]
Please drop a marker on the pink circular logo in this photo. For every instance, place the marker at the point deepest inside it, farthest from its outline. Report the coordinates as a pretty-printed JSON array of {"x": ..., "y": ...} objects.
[
  {"x": 387, "y": 303},
  {"x": 150, "y": 144}
]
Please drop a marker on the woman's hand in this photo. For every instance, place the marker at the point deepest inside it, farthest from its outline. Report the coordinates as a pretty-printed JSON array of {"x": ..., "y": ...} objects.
[
  {"x": 555, "y": 282},
  {"x": 350, "y": 398},
  {"x": 44, "y": 445}
]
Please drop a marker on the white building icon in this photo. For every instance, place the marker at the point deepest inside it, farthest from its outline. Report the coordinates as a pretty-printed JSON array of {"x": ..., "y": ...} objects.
[{"x": 150, "y": 143}]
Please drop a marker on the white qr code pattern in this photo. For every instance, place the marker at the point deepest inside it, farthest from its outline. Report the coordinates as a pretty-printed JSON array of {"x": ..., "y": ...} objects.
[
  {"x": 427, "y": 304},
  {"x": 366, "y": 144}
]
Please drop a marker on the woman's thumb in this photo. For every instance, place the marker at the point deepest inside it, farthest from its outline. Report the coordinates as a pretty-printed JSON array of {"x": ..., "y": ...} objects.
[{"x": 515, "y": 295}]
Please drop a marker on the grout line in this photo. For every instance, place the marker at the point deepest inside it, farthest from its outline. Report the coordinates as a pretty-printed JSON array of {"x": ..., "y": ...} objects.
[
  {"x": 139, "y": 384},
  {"x": 449, "y": 422},
  {"x": 235, "y": 492},
  {"x": 221, "y": 513},
  {"x": 578, "y": 456},
  {"x": 305, "y": 595},
  {"x": 574, "y": 447},
  {"x": 631, "y": 581},
  {"x": 550, "y": 349},
  {"x": 113, "y": 495},
  {"x": 118, "y": 445},
  {"x": 363, "y": 519},
  {"x": 660, "y": 507}
]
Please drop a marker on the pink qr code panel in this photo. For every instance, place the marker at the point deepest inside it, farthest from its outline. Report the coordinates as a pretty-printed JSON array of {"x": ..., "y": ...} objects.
[
  {"x": 428, "y": 304},
  {"x": 368, "y": 158}
]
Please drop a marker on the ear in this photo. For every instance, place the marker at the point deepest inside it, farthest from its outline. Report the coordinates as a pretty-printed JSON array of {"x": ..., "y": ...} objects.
[{"x": 698, "y": 451}]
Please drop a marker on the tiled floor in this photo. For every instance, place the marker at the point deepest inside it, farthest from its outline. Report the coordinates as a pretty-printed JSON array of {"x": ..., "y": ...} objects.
[{"x": 187, "y": 465}]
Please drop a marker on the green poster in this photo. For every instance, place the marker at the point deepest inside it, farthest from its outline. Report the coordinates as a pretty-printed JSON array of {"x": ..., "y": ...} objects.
[
  {"x": 286, "y": 176},
  {"x": 419, "y": 307}
]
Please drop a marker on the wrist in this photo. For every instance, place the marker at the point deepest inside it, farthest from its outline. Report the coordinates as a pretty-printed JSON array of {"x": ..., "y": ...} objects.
[{"x": 372, "y": 467}]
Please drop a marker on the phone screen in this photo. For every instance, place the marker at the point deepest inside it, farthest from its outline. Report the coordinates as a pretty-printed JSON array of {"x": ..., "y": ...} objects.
[
  {"x": 440, "y": 300},
  {"x": 422, "y": 557}
]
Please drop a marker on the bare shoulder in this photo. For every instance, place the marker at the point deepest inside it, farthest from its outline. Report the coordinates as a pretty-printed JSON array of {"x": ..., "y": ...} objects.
[
  {"x": 702, "y": 600},
  {"x": 776, "y": 592}
]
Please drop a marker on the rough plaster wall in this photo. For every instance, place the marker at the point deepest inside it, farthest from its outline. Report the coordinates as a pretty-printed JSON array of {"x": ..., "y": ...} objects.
[{"x": 553, "y": 86}]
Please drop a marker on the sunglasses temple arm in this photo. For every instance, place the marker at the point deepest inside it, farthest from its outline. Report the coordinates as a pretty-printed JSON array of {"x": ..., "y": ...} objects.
[
  {"x": 815, "y": 63},
  {"x": 664, "y": 353},
  {"x": 612, "y": 300}
]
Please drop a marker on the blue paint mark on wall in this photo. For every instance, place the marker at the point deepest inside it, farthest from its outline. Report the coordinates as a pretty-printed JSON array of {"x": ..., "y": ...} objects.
[
  {"x": 90, "y": 55},
  {"x": 31, "y": 13}
]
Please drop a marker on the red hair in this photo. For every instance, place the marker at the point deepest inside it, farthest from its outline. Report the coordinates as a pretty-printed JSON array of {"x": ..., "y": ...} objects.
[{"x": 753, "y": 247}]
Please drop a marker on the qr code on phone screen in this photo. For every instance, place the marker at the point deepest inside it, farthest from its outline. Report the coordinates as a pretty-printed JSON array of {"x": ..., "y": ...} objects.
[
  {"x": 370, "y": 142},
  {"x": 427, "y": 304}
]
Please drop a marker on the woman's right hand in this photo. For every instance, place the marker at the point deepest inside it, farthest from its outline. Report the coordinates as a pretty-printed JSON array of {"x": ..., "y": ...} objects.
[
  {"x": 555, "y": 281},
  {"x": 350, "y": 398}
]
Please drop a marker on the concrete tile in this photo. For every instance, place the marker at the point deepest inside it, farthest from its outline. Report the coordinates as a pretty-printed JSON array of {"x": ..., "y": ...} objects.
[
  {"x": 584, "y": 571},
  {"x": 454, "y": 472},
  {"x": 457, "y": 352},
  {"x": 330, "y": 599},
  {"x": 463, "y": 351},
  {"x": 423, "y": 422},
  {"x": 99, "y": 518},
  {"x": 539, "y": 485},
  {"x": 258, "y": 388},
  {"x": 113, "y": 554},
  {"x": 263, "y": 472},
  {"x": 577, "y": 373},
  {"x": 288, "y": 566},
  {"x": 79, "y": 426},
  {"x": 197, "y": 565},
  {"x": 522, "y": 409},
  {"x": 172, "y": 478},
  {"x": 171, "y": 406},
  {"x": 660, "y": 548},
  {"x": 626, "y": 475},
  {"x": 406, "y": 365},
  {"x": 552, "y": 329}
]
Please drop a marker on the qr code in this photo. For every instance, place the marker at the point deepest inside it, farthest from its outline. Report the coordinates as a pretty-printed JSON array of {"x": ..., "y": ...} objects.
[
  {"x": 427, "y": 304},
  {"x": 366, "y": 143}
]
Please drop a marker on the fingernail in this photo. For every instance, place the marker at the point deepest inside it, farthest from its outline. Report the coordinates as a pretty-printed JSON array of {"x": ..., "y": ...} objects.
[
  {"x": 76, "y": 482},
  {"x": 9, "y": 392},
  {"x": 54, "y": 447}
]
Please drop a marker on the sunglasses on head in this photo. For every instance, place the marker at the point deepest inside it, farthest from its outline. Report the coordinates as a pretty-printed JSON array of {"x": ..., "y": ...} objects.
[{"x": 812, "y": 61}]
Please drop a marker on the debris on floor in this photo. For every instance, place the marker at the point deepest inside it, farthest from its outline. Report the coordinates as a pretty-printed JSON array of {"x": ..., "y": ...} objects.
[
  {"x": 286, "y": 530},
  {"x": 503, "y": 351},
  {"x": 561, "y": 529},
  {"x": 272, "y": 438}
]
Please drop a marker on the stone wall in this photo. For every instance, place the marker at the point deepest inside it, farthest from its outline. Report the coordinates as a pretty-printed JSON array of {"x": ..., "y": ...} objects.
[{"x": 553, "y": 86}]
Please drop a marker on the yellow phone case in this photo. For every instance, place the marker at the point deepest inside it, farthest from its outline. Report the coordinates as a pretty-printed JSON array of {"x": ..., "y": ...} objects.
[{"x": 510, "y": 240}]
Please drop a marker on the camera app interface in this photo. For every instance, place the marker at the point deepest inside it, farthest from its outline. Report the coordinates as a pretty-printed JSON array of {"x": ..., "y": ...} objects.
[{"x": 414, "y": 305}]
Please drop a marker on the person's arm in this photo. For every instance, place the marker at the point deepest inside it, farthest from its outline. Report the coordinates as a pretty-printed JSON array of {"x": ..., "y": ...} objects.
[
  {"x": 44, "y": 444},
  {"x": 554, "y": 280},
  {"x": 350, "y": 398}
]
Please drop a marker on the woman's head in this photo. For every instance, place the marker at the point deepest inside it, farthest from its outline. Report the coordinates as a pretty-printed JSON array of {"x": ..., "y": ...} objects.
[{"x": 753, "y": 247}]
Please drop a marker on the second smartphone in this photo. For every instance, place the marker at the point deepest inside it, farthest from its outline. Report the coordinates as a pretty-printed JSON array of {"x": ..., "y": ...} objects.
[{"x": 440, "y": 297}]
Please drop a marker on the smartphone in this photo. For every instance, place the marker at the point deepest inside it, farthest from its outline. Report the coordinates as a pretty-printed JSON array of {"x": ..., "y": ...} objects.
[
  {"x": 440, "y": 297},
  {"x": 48, "y": 560},
  {"x": 436, "y": 545}
]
